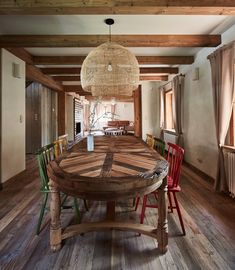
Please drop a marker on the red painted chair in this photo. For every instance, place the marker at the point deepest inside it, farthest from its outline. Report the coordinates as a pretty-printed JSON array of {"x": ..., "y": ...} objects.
[{"x": 174, "y": 157}]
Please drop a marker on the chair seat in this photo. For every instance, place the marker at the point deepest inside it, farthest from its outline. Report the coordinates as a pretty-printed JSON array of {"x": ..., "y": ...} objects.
[{"x": 170, "y": 185}]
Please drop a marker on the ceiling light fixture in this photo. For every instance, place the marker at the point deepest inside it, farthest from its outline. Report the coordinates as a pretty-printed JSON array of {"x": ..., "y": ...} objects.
[{"x": 110, "y": 70}]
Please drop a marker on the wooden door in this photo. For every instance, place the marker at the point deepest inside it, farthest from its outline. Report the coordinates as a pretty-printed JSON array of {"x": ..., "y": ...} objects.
[{"x": 33, "y": 118}]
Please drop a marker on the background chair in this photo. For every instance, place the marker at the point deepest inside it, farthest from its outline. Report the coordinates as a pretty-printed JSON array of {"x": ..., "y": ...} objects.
[
  {"x": 149, "y": 140},
  {"x": 174, "y": 157},
  {"x": 44, "y": 156},
  {"x": 159, "y": 146},
  {"x": 61, "y": 144}
]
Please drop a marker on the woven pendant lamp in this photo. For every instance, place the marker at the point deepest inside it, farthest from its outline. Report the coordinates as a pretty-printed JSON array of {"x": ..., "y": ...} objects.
[{"x": 110, "y": 70}]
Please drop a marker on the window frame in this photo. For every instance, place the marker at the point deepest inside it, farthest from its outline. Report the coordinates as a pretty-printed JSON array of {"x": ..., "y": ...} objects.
[
  {"x": 232, "y": 127},
  {"x": 166, "y": 91}
]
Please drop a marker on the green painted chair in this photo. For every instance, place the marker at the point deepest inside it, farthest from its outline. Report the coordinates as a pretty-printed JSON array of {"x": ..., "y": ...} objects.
[
  {"x": 159, "y": 146},
  {"x": 44, "y": 156}
]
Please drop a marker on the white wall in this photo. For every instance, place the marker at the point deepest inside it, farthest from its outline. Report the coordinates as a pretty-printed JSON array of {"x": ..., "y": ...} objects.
[
  {"x": 198, "y": 118},
  {"x": 12, "y": 117},
  {"x": 150, "y": 109},
  {"x": 199, "y": 124},
  {"x": 125, "y": 111}
]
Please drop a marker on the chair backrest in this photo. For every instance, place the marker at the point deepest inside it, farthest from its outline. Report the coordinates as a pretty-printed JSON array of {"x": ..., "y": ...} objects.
[
  {"x": 64, "y": 137},
  {"x": 149, "y": 140},
  {"x": 44, "y": 156},
  {"x": 159, "y": 145},
  {"x": 174, "y": 157},
  {"x": 61, "y": 145}
]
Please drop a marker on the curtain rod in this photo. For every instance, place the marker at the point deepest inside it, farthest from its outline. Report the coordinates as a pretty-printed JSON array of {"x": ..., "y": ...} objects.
[{"x": 180, "y": 75}]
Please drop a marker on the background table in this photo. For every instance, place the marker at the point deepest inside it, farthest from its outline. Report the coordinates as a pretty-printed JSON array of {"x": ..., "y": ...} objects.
[{"x": 120, "y": 167}]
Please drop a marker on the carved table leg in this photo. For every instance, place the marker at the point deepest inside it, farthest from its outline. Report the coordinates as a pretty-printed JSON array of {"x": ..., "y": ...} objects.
[
  {"x": 55, "y": 229},
  {"x": 162, "y": 229}
]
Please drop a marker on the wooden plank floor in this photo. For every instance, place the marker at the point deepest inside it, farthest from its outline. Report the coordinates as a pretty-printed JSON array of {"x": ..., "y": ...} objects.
[{"x": 209, "y": 244}]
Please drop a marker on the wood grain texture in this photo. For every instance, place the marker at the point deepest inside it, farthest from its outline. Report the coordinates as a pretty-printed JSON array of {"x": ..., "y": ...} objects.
[
  {"x": 76, "y": 71},
  {"x": 138, "y": 112},
  {"x": 142, "y": 78},
  {"x": 144, "y": 60},
  {"x": 20, "y": 41},
  {"x": 56, "y": 7},
  {"x": 35, "y": 74},
  {"x": 209, "y": 243},
  {"x": 140, "y": 178},
  {"x": 113, "y": 177}
]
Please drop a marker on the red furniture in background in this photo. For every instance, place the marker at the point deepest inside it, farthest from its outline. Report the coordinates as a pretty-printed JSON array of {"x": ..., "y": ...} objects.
[{"x": 124, "y": 125}]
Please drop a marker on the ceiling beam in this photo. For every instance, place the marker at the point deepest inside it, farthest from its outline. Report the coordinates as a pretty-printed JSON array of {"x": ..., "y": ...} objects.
[
  {"x": 143, "y": 60},
  {"x": 77, "y": 89},
  {"x": 22, "y": 54},
  {"x": 77, "y": 78},
  {"x": 96, "y": 40},
  {"x": 35, "y": 74},
  {"x": 165, "y": 60},
  {"x": 76, "y": 71},
  {"x": 154, "y": 78},
  {"x": 67, "y": 78},
  {"x": 159, "y": 70},
  {"x": 165, "y": 7}
]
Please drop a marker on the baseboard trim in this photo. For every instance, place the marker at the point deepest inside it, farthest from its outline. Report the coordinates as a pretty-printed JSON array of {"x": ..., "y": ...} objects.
[
  {"x": 199, "y": 172},
  {"x": 11, "y": 180}
]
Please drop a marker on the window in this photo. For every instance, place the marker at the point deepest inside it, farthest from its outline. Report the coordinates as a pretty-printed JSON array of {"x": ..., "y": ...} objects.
[
  {"x": 168, "y": 97},
  {"x": 232, "y": 127}
]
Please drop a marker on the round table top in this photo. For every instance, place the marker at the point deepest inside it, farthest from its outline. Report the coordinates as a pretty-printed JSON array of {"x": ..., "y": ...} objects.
[{"x": 119, "y": 167}]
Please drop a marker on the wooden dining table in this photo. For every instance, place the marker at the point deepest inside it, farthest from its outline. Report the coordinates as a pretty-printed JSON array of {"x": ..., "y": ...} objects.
[{"x": 120, "y": 167}]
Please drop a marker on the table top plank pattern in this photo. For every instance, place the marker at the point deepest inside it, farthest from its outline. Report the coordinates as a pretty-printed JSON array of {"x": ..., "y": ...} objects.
[
  {"x": 115, "y": 168},
  {"x": 113, "y": 157}
]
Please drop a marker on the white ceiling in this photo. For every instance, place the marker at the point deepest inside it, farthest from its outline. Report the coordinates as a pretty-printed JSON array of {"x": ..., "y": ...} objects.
[
  {"x": 124, "y": 24},
  {"x": 94, "y": 24}
]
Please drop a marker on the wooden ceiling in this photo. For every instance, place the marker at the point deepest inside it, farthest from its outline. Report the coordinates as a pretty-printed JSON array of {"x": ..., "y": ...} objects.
[
  {"x": 54, "y": 77},
  {"x": 155, "y": 7}
]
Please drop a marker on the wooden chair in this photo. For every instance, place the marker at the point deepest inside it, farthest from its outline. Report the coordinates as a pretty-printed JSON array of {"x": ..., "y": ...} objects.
[
  {"x": 159, "y": 146},
  {"x": 149, "y": 140},
  {"x": 61, "y": 144},
  {"x": 44, "y": 156},
  {"x": 174, "y": 157}
]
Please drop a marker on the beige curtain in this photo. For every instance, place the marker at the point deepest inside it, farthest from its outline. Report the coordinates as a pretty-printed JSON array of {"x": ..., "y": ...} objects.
[
  {"x": 222, "y": 73},
  {"x": 177, "y": 87},
  {"x": 162, "y": 112}
]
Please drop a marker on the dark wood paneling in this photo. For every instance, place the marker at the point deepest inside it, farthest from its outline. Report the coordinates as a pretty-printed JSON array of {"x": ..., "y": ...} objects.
[
  {"x": 33, "y": 118},
  {"x": 138, "y": 112},
  {"x": 61, "y": 113}
]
